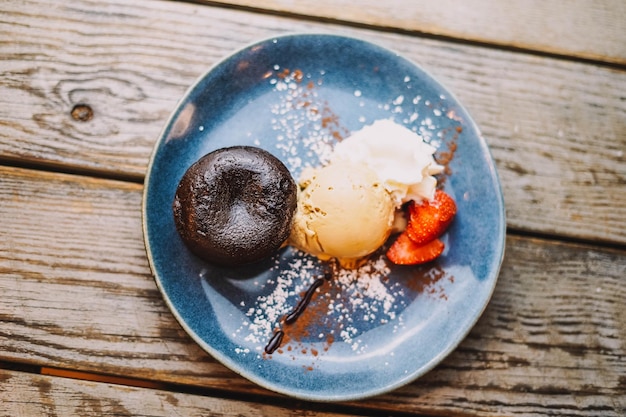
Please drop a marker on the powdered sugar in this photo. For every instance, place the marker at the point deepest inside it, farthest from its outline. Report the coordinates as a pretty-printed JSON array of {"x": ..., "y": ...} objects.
[
  {"x": 304, "y": 124},
  {"x": 352, "y": 302}
]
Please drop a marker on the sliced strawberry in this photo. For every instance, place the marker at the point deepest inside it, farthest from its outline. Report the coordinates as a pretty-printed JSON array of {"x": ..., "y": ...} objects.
[
  {"x": 430, "y": 219},
  {"x": 406, "y": 252}
]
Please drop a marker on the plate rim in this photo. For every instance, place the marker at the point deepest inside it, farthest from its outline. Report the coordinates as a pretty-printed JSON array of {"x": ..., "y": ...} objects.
[{"x": 232, "y": 365}]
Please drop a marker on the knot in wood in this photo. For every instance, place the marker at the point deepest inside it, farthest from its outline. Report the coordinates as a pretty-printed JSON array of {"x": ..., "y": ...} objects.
[{"x": 82, "y": 113}]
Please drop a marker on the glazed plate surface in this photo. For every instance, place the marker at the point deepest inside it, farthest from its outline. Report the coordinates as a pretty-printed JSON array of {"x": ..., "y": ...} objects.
[{"x": 368, "y": 331}]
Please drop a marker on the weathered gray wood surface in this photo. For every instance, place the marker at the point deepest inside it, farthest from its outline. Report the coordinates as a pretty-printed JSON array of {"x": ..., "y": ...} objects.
[
  {"x": 556, "y": 128},
  {"x": 587, "y": 29},
  {"x": 78, "y": 294}
]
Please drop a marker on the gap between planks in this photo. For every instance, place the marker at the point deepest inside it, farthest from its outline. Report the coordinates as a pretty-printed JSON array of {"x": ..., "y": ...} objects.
[
  {"x": 271, "y": 400},
  {"x": 73, "y": 170},
  {"x": 565, "y": 56}
]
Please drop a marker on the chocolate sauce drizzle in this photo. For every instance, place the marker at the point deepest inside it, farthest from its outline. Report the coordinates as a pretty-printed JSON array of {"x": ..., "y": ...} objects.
[
  {"x": 274, "y": 342},
  {"x": 304, "y": 302},
  {"x": 277, "y": 338}
]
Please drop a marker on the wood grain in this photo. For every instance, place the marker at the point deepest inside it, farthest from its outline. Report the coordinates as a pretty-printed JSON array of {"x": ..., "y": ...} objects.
[
  {"x": 78, "y": 294},
  {"x": 89, "y": 244},
  {"x": 27, "y": 395},
  {"x": 585, "y": 29},
  {"x": 557, "y": 129}
]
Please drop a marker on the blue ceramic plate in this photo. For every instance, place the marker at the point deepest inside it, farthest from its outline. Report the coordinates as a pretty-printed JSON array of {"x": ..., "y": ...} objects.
[{"x": 368, "y": 331}]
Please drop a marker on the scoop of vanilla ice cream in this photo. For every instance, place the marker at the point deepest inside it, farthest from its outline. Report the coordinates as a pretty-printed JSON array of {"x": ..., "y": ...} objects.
[
  {"x": 403, "y": 162},
  {"x": 348, "y": 208},
  {"x": 344, "y": 212}
]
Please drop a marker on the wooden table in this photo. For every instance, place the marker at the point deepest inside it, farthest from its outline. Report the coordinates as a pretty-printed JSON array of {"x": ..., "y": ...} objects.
[{"x": 85, "y": 88}]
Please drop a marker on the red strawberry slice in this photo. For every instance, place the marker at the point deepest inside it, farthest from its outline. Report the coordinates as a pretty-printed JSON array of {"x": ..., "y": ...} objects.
[
  {"x": 406, "y": 252},
  {"x": 430, "y": 219}
]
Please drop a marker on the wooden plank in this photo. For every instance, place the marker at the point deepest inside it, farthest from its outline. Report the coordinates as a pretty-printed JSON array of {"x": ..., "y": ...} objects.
[
  {"x": 552, "y": 340},
  {"x": 556, "y": 128},
  {"x": 105, "y": 300},
  {"x": 28, "y": 395},
  {"x": 584, "y": 29},
  {"x": 548, "y": 342}
]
